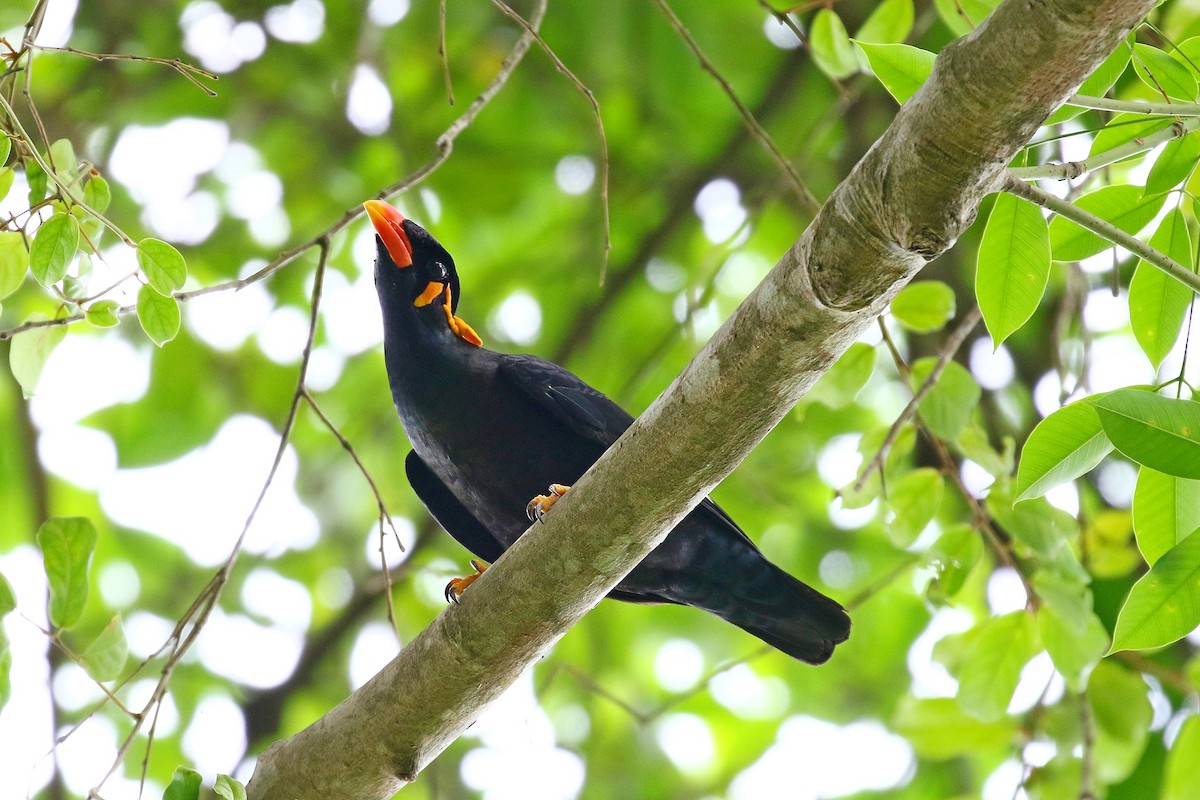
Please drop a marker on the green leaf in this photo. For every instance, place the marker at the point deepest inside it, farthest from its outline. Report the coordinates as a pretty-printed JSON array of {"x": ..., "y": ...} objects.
[
  {"x": 841, "y": 384},
  {"x": 67, "y": 544},
  {"x": 97, "y": 194},
  {"x": 830, "y": 45},
  {"x": 891, "y": 21},
  {"x": 1174, "y": 164},
  {"x": 1123, "y": 206},
  {"x": 54, "y": 245},
  {"x": 1070, "y": 598},
  {"x": 953, "y": 556},
  {"x": 162, "y": 265},
  {"x": 993, "y": 667},
  {"x": 939, "y": 730},
  {"x": 1166, "y": 509},
  {"x": 35, "y": 176},
  {"x": 1158, "y": 303},
  {"x": 924, "y": 306},
  {"x": 1106, "y": 75},
  {"x": 103, "y": 313},
  {"x": 1182, "y": 779},
  {"x": 1068, "y": 443},
  {"x": 1124, "y": 128},
  {"x": 1013, "y": 265},
  {"x": 184, "y": 786},
  {"x": 158, "y": 314},
  {"x": 900, "y": 68},
  {"x": 5, "y": 668},
  {"x": 14, "y": 262},
  {"x": 973, "y": 443},
  {"x": 963, "y": 16},
  {"x": 1074, "y": 653},
  {"x": 8, "y": 599},
  {"x": 1158, "y": 432},
  {"x": 63, "y": 159},
  {"x": 1035, "y": 525},
  {"x": 914, "y": 499},
  {"x": 1163, "y": 74},
  {"x": 28, "y": 351},
  {"x": 105, "y": 657},
  {"x": 1121, "y": 711},
  {"x": 229, "y": 788},
  {"x": 947, "y": 408},
  {"x": 5, "y": 148},
  {"x": 7, "y": 176},
  {"x": 1164, "y": 605}
]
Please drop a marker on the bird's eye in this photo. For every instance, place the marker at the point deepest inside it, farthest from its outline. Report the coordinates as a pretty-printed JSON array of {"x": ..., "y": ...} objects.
[{"x": 440, "y": 273}]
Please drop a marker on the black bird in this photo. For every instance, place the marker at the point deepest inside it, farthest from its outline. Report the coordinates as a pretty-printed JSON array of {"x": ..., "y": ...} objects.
[{"x": 489, "y": 431}]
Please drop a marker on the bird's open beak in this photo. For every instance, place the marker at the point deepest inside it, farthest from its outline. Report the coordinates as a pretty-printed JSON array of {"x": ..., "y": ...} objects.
[{"x": 389, "y": 224}]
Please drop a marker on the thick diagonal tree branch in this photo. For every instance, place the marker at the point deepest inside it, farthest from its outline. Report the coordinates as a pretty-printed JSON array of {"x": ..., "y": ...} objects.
[{"x": 909, "y": 198}]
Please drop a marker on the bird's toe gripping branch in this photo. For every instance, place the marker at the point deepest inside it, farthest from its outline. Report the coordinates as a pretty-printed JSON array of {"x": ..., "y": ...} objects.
[
  {"x": 457, "y": 586},
  {"x": 539, "y": 505}
]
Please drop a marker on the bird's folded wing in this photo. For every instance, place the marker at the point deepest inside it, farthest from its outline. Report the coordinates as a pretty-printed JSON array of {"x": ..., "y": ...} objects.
[
  {"x": 587, "y": 412},
  {"x": 449, "y": 512}
]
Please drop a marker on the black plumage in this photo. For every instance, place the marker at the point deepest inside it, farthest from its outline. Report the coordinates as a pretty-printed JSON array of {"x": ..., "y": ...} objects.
[{"x": 490, "y": 431}]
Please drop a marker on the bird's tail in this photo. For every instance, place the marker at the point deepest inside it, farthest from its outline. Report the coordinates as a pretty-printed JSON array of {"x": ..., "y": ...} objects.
[{"x": 788, "y": 615}]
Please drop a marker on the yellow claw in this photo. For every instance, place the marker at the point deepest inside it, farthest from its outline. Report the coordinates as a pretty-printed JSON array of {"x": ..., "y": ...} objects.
[{"x": 457, "y": 586}]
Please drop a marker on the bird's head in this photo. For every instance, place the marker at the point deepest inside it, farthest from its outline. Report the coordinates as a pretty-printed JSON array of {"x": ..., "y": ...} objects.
[{"x": 412, "y": 267}]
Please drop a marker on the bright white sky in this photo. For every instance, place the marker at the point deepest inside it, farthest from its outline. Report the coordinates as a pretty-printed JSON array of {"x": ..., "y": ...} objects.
[{"x": 517, "y": 744}]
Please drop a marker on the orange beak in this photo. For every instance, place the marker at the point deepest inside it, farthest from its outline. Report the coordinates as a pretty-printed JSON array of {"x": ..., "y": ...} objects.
[{"x": 389, "y": 224}]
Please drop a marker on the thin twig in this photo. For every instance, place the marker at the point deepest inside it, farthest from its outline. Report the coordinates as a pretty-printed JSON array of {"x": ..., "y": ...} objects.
[
  {"x": 808, "y": 201},
  {"x": 949, "y": 348},
  {"x": 444, "y": 143},
  {"x": 1131, "y": 107},
  {"x": 1142, "y": 144},
  {"x": 1105, "y": 229},
  {"x": 192, "y": 73}
]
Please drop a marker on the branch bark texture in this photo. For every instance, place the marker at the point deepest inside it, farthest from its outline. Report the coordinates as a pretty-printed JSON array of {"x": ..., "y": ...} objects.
[{"x": 907, "y": 201}]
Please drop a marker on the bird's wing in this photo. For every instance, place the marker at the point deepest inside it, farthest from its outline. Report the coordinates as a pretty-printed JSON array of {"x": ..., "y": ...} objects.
[
  {"x": 449, "y": 512},
  {"x": 581, "y": 408}
]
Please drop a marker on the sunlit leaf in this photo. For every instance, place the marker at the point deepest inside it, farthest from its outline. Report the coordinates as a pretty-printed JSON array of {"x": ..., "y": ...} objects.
[
  {"x": 103, "y": 313},
  {"x": 1174, "y": 164},
  {"x": 831, "y": 47},
  {"x": 948, "y": 406},
  {"x": 97, "y": 194},
  {"x": 924, "y": 306},
  {"x": 1013, "y": 265},
  {"x": 891, "y": 21},
  {"x": 1163, "y": 74},
  {"x": 229, "y": 788},
  {"x": 105, "y": 657},
  {"x": 14, "y": 262},
  {"x": 63, "y": 159},
  {"x": 899, "y": 67},
  {"x": 914, "y": 499},
  {"x": 53, "y": 247},
  {"x": 992, "y": 669},
  {"x": 1158, "y": 303},
  {"x": 953, "y": 556},
  {"x": 938, "y": 729},
  {"x": 29, "y": 350},
  {"x": 1074, "y": 653},
  {"x": 67, "y": 544},
  {"x": 158, "y": 314},
  {"x": 1182, "y": 781},
  {"x": 1158, "y": 432},
  {"x": 184, "y": 786},
  {"x": 1165, "y": 510},
  {"x": 8, "y": 599},
  {"x": 1068, "y": 443},
  {"x": 1164, "y": 605},
  {"x": 964, "y": 16},
  {"x": 1121, "y": 712},
  {"x": 162, "y": 265},
  {"x": 5, "y": 668},
  {"x": 1123, "y": 206},
  {"x": 5, "y": 148},
  {"x": 1035, "y": 525},
  {"x": 839, "y": 386}
]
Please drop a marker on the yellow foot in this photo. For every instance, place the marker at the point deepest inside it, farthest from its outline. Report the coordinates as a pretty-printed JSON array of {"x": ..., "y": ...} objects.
[
  {"x": 457, "y": 586},
  {"x": 544, "y": 502}
]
